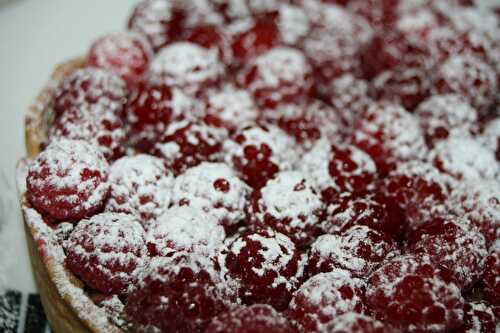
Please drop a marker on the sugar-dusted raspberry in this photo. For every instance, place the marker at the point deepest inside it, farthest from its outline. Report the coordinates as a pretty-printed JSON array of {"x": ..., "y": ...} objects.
[
  {"x": 374, "y": 210},
  {"x": 411, "y": 294},
  {"x": 389, "y": 134},
  {"x": 358, "y": 250},
  {"x": 179, "y": 294},
  {"x": 187, "y": 66},
  {"x": 126, "y": 54},
  {"x": 233, "y": 106},
  {"x": 348, "y": 96},
  {"x": 324, "y": 297},
  {"x": 453, "y": 244},
  {"x": 478, "y": 317},
  {"x": 160, "y": 21},
  {"x": 251, "y": 38},
  {"x": 185, "y": 229},
  {"x": 212, "y": 38},
  {"x": 96, "y": 89},
  {"x": 442, "y": 116},
  {"x": 68, "y": 181},
  {"x": 108, "y": 252},
  {"x": 257, "y": 318},
  {"x": 279, "y": 76},
  {"x": 490, "y": 277},
  {"x": 266, "y": 265},
  {"x": 188, "y": 143},
  {"x": 465, "y": 158},
  {"x": 266, "y": 8},
  {"x": 417, "y": 23},
  {"x": 352, "y": 322},
  {"x": 381, "y": 14},
  {"x": 335, "y": 168},
  {"x": 150, "y": 109},
  {"x": 231, "y": 10},
  {"x": 478, "y": 201},
  {"x": 259, "y": 152},
  {"x": 140, "y": 185},
  {"x": 308, "y": 122},
  {"x": 293, "y": 23},
  {"x": 492, "y": 135},
  {"x": 200, "y": 13},
  {"x": 288, "y": 204},
  {"x": 215, "y": 188},
  {"x": 468, "y": 76},
  {"x": 418, "y": 188}
]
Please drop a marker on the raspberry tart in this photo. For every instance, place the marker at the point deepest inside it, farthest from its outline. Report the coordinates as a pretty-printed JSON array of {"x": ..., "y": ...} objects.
[{"x": 271, "y": 166}]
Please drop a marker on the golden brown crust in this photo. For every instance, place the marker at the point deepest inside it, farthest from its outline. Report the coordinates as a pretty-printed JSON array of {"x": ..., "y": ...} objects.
[{"x": 66, "y": 311}]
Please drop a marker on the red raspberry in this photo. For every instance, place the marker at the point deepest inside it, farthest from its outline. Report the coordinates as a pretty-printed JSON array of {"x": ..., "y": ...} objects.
[
  {"x": 468, "y": 76},
  {"x": 266, "y": 265},
  {"x": 68, "y": 181},
  {"x": 293, "y": 23},
  {"x": 108, "y": 252},
  {"x": 409, "y": 293},
  {"x": 187, "y": 66},
  {"x": 338, "y": 168},
  {"x": 126, "y": 54},
  {"x": 371, "y": 209},
  {"x": 257, "y": 318},
  {"x": 381, "y": 14},
  {"x": 215, "y": 188},
  {"x": 188, "y": 143},
  {"x": 179, "y": 294},
  {"x": 465, "y": 158},
  {"x": 358, "y": 250},
  {"x": 324, "y": 297},
  {"x": 353, "y": 322},
  {"x": 252, "y": 38},
  {"x": 141, "y": 186},
  {"x": 478, "y": 317},
  {"x": 490, "y": 277},
  {"x": 389, "y": 134},
  {"x": 213, "y": 38},
  {"x": 288, "y": 204},
  {"x": 281, "y": 75},
  {"x": 460, "y": 248},
  {"x": 259, "y": 152},
  {"x": 160, "y": 21},
  {"x": 442, "y": 116},
  {"x": 185, "y": 229},
  {"x": 492, "y": 135},
  {"x": 98, "y": 90},
  {"x": 309, "y": 122}
]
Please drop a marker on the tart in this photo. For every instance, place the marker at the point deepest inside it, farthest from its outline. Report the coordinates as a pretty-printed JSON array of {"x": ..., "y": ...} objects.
[{"x": 278, "y": 166}]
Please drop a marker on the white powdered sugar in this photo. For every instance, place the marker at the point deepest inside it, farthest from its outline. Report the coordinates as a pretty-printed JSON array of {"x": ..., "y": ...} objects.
[
  {"x": 355, "y": 322},
  {"x": 492, "y": 135},
  {"x": 200, "y": 12},
  {"x": 293, "y": 23},
  {"x": 349, "y": 96},
  {"x": 140, "y": 185},
  {"x": 315, "y": 163}
]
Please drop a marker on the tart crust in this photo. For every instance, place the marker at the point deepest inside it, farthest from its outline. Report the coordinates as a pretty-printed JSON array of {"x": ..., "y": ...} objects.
[{"x": 67, "y": 306}]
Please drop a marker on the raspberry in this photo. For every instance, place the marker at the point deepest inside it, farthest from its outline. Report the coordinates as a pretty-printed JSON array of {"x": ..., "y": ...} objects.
[
  {"x": 231, "y": 10},
  {"x": 353, "y": 322},
  {"x": 293, "y": 24},
  {"x": 215, "y": 188},
  {"x": 446, "y": 242},
  {"x": 468, "y": 76},
  {"x": 324, "y": 297},
  {"x": 126, "y": 54},
  {"x": 141, "y": 186},
  {"x": 358, "y": 250},
  {"x": 188, "y": 143},
  {"x": 179, "y": 294},
  {"x": 213, "y": 38},
  {"x": 160, "y": 21},
  {"x": 98, "y": 90},
  {"x": 257, "y": 318},
  {"x": 187, "y": 66},
  {"x": 309, "y": 122},
  {"x": 68, "y": 181},
  {"x": 288, "y": 204},
  {"x": 478, "y": 317},
  {"x": 266, "y": 8},
  {"x": 490, "y": 277},
  {"x": 338, "y": 168},
  {"x": 108, "y": 252},
  {"x": 389, "y": 134},
  {"x": 259, "y": 152},
  {"x": 381, "y": 14},
  {"x": 442, "y": 116},
  {"x": 266, "y": 265},
  {"x": 253, "y": 38},
  {"x": 465, "y": 159},
  {"x": 279, "y": 76},
  {"x": 492, "y": 135},
  {"x": 374, "y": 210},
  {"x": 185, "y": 229},
  {"x": 411, "y": 294},
  {"x": 234, "y": 107},
  {"x": 417, "y": 23}
]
